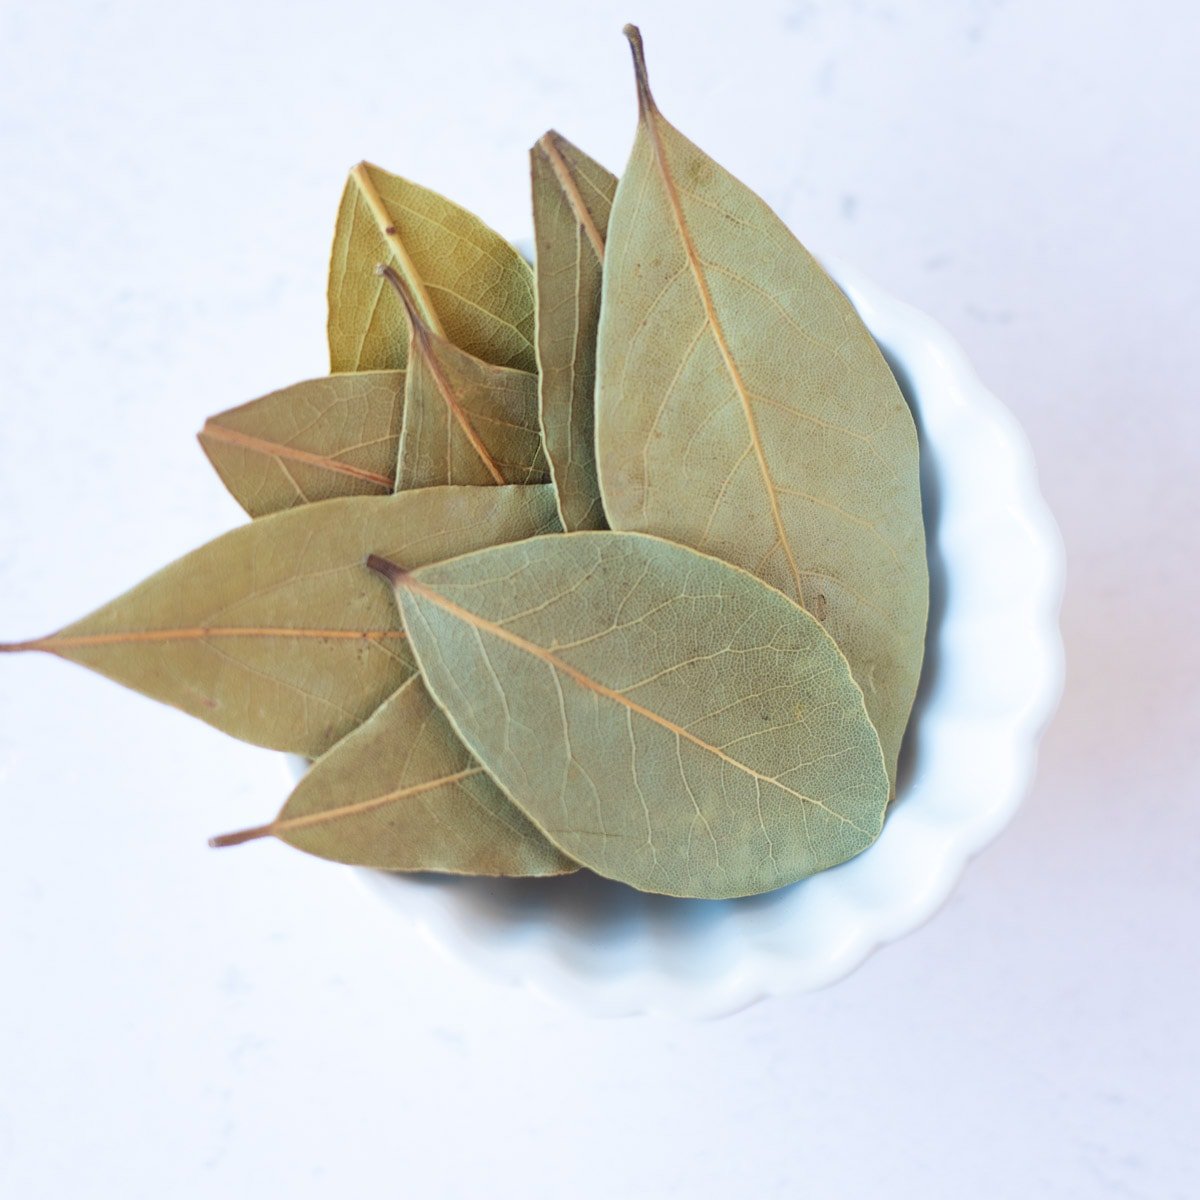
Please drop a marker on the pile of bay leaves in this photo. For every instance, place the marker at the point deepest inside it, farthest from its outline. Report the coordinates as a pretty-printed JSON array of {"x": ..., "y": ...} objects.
[{"x": 614, "y": 562}]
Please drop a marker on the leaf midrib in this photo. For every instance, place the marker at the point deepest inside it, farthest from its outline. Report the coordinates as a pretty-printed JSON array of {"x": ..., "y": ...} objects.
[
  {"x": 56, "y": 643},
  {"x": 571, "y": 193},
  {"x": 650, "y": 119},
  {"x": 482, "y": 624},
  {"x": 246, "y": 441},
  {"x": 283, "y": 825},
  {"x": 387, "y": 230},
  {"x": 422, "y": 345}
]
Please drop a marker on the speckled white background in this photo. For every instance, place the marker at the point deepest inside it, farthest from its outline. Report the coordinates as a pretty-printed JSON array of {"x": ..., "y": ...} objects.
[{"x": 174, "y": 1022}]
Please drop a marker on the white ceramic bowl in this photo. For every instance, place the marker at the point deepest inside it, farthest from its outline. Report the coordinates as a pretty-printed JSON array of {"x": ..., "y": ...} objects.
[{"x": 991, "y": 679}]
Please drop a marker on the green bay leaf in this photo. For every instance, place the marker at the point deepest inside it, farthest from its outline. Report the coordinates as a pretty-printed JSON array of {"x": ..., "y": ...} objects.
[
  {"x": 274, "y": 632},
  {"x": 465, "y": 420},
  {"x": 663, "y": 717},
  {"x": 401, "y": 793},
  {"x": 572, "y": 196},
  {"x": 743, "y": 409},
  {"x": 472, "y": 286},
  {"x": 317, "y": 440}
]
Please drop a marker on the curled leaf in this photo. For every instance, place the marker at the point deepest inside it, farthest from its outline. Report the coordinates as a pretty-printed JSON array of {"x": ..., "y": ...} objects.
[
  {"x": 472, "y": 287},
  {"x": 743, "y": 409},
  {"x": 274, "y": 632},
  {"x": 401, "y": 793},
  {"x": 317, "y": 440},
  {"x": 572, "y": 196},
  {"x": 664, "y": 718}
]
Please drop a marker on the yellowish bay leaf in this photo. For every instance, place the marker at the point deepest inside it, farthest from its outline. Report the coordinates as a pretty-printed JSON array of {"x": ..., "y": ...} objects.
[{"x": 471, "y": 285}]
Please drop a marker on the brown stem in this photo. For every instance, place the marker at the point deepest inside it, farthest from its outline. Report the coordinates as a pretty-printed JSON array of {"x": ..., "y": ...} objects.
[
  {"x": 242, "y": 835},
  {"x": 416, "y": 318},
  {"x": 19, "y": 647},
  {"x": 389, "y": 570},
  {"x": 646, "y": 103}
]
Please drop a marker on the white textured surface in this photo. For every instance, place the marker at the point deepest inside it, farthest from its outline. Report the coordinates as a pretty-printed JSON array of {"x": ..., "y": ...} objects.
[
  {"x": 175, "y": 1022},
  {"x": 992, "y": 674}
]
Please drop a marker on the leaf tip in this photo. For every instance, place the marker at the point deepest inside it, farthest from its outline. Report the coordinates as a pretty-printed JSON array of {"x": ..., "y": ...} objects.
[
  {"x": 548, "y": 142},
  {"x": 646, "y": 103},
  {"x": 395, "y": 575},
  {"x": 550, "y": 148}
]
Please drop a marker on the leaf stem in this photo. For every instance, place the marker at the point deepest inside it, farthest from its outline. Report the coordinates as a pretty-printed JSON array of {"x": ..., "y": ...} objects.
[
  {"x": 242, "y": 835},
  {"x": 646, "y": 104},
  {"x": 416, "y": 318},
  {"x": 395, "y": 575},
  {"x": 19, "y": 647}
]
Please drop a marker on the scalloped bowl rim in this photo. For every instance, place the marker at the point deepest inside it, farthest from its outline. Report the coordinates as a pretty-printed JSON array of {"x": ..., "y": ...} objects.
[{"x": 612, "y": 952}]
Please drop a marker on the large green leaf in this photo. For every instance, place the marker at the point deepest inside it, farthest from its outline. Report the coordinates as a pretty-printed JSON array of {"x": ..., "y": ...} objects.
[
  {"x": 743, "y": 408},
  {"x": 572, "y": 195},
  {"x": 402, "y": 793},
  {"x": 317, "y": 440},
  {"x": 465, "y": 421},
  {"x": 666, "y": 719},
  {"x": 274, "y": 632},
  {"x": 472, "y": 286}
]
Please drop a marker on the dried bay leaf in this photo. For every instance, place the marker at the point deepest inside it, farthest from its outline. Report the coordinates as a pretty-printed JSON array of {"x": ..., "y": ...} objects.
[
  {"x": 743, "y": 409},
  {"x": 317, "y": 440},
  {"x": 471, "y": 285},
  {"x": 401, "y": 793},
  {"x": 465, "y": 421},
  {"x": 665, "y": 718},
  {"x": 274, "y": 632},
  {"x": 572, "y": 196}
]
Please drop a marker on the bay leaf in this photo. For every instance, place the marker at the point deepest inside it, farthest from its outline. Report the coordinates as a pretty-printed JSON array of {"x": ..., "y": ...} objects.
[
  {"x": 317, "y": 440},
  {"x": 401, "y": 793},
  {"x": 743, "y": 409},
  {"x": 274, "y": 632},
  {"x": 663, "y": 717},
  {"x": 465, "y": 421},
  {"x": 471, "y": 285},
  {"x": 572, "y": 196}
]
